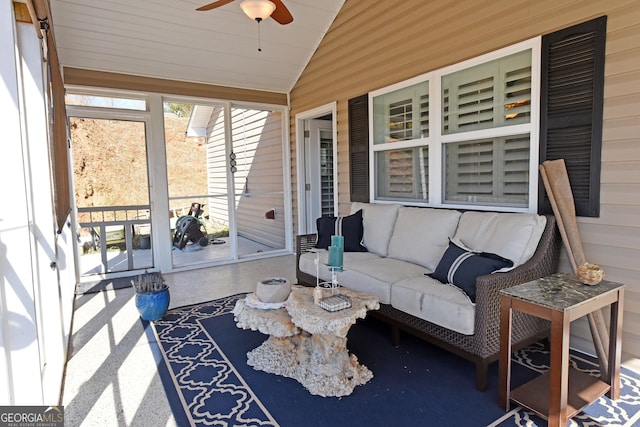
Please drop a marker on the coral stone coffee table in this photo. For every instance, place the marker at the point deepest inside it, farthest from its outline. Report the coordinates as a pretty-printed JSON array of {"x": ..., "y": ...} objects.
[{"x": 308, "y": 343}]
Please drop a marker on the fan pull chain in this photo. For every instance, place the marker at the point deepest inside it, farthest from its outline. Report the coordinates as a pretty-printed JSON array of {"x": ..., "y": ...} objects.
[{"x": 259, "y": 38}]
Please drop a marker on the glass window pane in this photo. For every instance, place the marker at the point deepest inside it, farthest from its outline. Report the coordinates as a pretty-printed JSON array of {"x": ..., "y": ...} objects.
[
  {"x": 489, "y": 95},
  {"x": 105, "y": 102},
  {"x": 401, "y": 115},
  {"x": 403, "y": 174},
  {"x": 492, "y": 171},
  {"x": 115, "y": 227}
]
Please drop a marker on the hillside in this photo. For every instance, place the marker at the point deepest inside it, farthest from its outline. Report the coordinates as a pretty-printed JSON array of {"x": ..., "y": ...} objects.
[{"x": 109, "y": 161}]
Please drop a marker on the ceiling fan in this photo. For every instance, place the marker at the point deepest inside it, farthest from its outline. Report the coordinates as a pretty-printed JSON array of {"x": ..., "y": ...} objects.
[{"x": 258, "y": 9}]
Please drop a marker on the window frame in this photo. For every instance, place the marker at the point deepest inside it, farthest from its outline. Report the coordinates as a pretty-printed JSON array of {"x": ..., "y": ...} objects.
[{"x": 435, "y": 140}]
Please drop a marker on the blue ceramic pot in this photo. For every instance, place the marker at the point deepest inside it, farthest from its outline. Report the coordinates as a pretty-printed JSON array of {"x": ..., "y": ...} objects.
[{"x": 152, "y": 305}]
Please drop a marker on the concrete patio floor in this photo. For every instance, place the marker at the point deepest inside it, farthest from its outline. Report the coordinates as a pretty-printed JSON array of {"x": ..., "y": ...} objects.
[{"x": 111, "y": 376}]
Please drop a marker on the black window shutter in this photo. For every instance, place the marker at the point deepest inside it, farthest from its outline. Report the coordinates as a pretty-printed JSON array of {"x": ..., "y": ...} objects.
[
  {"x": 572, "y": 88},
  {"x": 359, "y": 148}
]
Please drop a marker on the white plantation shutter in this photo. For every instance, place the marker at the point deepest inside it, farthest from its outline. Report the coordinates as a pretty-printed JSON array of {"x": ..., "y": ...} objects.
[
  {"x": 468, "y": 105},
  {"x": 424, "y": 114},
  {"x": 401, "y": 121},
  {"x": 326, "y": 176},
  {"x": 517, "y": 95},
  {"x": 515, "y": 171},
  {"x": 402, "y": 115},
  {"x": 493, "y": 94},
  {"x": 469, "y": 170},
  {"x": 491, "y": 171},
  {"x": 405, "y": 174}
]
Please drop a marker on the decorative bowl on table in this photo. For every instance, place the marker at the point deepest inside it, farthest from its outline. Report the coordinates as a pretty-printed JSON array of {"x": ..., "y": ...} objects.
[
  {"x": 273, "y": 290},
  {"x": 590, "y": 274}
]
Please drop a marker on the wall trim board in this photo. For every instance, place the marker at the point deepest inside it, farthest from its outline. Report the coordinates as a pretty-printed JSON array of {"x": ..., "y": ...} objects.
[{"x": 83, "y": 77}]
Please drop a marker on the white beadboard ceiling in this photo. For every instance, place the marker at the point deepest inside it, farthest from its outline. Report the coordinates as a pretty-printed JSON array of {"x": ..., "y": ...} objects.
[{"x": 170, "y": 39}]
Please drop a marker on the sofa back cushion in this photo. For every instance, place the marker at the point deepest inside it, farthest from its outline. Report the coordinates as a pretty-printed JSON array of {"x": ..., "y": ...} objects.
[
  {"x": 350, "y": 227},
  {"x": 461, "y": 267},
  {"x": 421, "y": 235},
  {"x": 377, "y": 222},
  {"x": 514, "y": 236}
]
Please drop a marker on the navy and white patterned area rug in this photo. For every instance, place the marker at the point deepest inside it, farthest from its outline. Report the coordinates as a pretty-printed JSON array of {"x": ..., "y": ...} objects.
[{"x": 209, "y": 383}]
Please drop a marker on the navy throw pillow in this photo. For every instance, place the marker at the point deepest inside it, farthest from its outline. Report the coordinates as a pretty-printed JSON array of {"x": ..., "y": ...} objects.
[
  {"x": 349, "y": 226},
  {"x": 462, "y": 267}
]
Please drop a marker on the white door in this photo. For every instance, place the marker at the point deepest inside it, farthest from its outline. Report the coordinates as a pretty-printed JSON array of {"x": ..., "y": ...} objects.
[
  {"x": 319, "y": 172},
  {"x": 32, "y": 329}
]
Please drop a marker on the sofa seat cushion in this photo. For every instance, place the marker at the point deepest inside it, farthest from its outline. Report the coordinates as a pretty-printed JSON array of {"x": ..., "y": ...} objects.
[
  {"x": 363, "y": 271},
  {"x": 378, "y": 221},
  {"x": 430, "y": 300},
  {"x": 514, "y": 236},
  {"x": 377, "y": 277},
  {"x": 348, "y": 278},
  {"x": 308, "y": 261},
  {"x": 421, "y": 235}
]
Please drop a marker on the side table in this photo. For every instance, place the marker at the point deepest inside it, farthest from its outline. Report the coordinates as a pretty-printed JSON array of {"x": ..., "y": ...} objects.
[{"x": 562, "y": 392}]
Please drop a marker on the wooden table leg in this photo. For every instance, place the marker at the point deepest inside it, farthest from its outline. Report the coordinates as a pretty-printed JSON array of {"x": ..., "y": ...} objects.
[
  {"x": 615, "y": 349},
  {"x": 559, "y": 369},
  {"x": 504, "y": 369}
]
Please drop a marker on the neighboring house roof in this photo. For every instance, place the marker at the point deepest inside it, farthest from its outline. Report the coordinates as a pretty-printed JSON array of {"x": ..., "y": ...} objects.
[
  {"x": 171, "y": 40},
  {"x": 199, "y": 119}
]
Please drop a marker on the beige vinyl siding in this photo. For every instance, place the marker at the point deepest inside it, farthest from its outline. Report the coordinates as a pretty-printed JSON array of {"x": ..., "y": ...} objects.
[
  {"x": 257, "y": 143},
  {"x": 258, "y": 181},
  {"x": 217, "y": 164},
  {"x": 374, "y": 44}
]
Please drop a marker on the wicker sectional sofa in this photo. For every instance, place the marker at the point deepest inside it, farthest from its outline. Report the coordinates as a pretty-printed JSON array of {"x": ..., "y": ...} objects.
[{"x": 403, "y": 246}]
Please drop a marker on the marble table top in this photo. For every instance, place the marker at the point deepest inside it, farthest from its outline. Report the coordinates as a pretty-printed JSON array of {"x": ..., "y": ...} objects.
[{"x": 559, "y": 291}]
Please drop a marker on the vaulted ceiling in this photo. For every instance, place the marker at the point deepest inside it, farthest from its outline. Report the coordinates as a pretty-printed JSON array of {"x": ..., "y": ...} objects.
[{"x": 169, "y": 39}]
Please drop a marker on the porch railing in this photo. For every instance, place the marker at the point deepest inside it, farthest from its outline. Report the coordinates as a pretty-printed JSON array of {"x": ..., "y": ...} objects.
[{"x": 103, "y": 220}]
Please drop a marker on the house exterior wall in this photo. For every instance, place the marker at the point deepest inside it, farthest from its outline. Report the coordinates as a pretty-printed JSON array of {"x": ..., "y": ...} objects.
[
  {"x": 256, "y": 137},
  {"x": 259, "y": 182},
  {"x": 374, "y": 44},
  {"x": 217, "y": 164}
]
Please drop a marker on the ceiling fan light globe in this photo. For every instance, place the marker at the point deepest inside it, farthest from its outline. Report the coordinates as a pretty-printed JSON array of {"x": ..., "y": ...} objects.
[{"x": 258, "y": 9}]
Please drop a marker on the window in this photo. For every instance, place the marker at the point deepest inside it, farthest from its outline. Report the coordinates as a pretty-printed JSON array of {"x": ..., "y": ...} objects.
[
  {"x": 406, "y": 174},
  {"x": 473, "y": 144},
  {"x": 491, "y": 171},
  {"x": 488, "y": 99},
  {"x": 400, "y": 138},
  {"x": 106, "y": 101},
  {"x": 402, "y": 115},
  {"x": 489, "y": 95}
]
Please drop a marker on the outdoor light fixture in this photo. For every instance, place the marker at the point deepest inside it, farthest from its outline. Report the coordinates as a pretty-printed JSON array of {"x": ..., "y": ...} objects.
[{"x": 258, "y": 9}]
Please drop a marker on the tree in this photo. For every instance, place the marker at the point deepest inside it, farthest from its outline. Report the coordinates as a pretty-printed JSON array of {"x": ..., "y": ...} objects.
[{"x": 178, "y": 108}]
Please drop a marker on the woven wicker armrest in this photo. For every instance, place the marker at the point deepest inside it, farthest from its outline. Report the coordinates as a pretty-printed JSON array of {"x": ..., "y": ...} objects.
[
  {"x": 543, "y": 262},
  {"x": 304, "y": 242}
]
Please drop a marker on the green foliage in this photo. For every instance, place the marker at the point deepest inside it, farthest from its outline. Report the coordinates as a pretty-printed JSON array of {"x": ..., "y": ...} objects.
[{"x": 178, "y": 108}]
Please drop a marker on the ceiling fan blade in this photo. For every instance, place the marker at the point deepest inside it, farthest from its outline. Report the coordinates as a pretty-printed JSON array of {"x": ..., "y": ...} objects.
[
  {"x": 281, "y": 15},
  {"x": 213, "y": 5}
]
